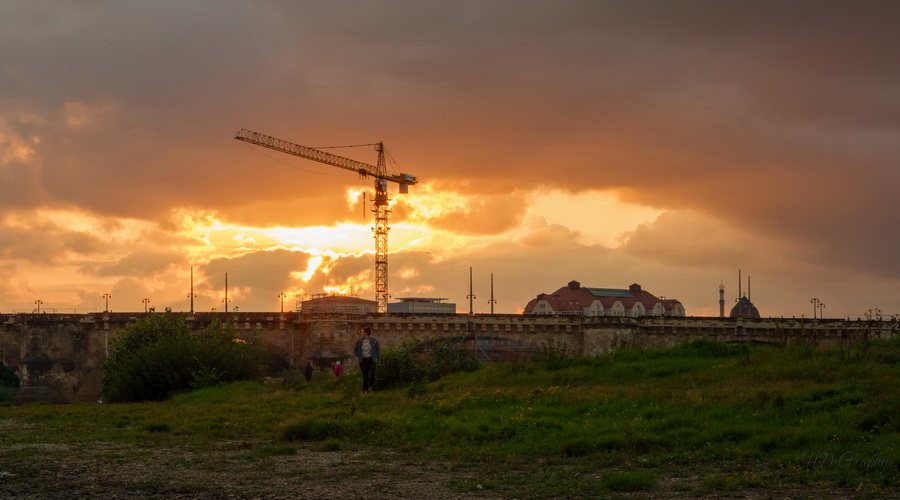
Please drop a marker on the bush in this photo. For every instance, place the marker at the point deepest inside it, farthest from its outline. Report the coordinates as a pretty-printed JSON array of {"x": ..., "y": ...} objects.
[
  {"x": 9, "y": 384},
  {"x": 351, "y": 389},
  {"x": 8, "y": 377},
  {"x": 413, "y": 361},
  {"x": 293, "y": 379},
  {"x": 158, "y": 356},
  {"x": 554, "y": 355}
]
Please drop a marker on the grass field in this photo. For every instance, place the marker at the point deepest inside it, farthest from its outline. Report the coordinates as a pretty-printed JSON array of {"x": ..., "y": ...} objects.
[{"x": 701, "y": 419}]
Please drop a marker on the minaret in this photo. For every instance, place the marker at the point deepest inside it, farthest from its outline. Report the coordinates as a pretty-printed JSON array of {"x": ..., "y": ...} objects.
[{"x": 721, "y": 299}]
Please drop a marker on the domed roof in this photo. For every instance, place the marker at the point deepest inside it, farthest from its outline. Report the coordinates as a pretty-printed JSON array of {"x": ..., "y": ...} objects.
[{"x": 744, "y": 309}]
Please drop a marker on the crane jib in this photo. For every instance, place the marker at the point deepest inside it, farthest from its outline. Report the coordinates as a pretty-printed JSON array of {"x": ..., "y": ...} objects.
[{"x": 363, "y": 169}]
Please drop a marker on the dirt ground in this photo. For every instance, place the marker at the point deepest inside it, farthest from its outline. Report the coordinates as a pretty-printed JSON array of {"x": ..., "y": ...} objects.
[{"x": 106, "y": 471}]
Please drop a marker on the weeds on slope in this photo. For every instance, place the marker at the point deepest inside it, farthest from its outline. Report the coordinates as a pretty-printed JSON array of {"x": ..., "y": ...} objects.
[{"x": 742, "y": 416}]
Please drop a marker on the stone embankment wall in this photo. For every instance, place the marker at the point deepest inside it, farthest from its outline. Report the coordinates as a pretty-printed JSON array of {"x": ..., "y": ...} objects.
[{"x": 57, "y": 357}]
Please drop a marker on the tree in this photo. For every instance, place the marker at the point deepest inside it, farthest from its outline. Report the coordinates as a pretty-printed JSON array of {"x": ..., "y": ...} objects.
[{"x": 158, "y": 355}]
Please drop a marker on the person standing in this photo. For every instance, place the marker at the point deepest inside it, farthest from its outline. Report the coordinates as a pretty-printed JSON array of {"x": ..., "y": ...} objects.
[
  {"x": 338, "y": 369},
  {"x": 307, "y": 373},
  {"x": 366, "y": 351}
]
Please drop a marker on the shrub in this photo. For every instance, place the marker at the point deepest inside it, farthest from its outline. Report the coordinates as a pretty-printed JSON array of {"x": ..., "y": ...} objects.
[
  {"x": 9, "y": 384},
  {"x": 416, "y": 390},
  {"x": 158, "y": 356},
  {"x": 293, "y": 379},
  {"x": 554, "y": 354},
  {"x": 351, "y": 388},
  {"x": 8, "y": 377},
  {"x": 398, "y": 365},
  {"x": 429, "y": 360},
  {"x": 206, "y": 377}
]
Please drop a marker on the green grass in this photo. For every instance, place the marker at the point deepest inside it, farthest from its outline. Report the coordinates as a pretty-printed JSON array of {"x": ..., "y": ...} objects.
[{"x": 745, "y": 418}]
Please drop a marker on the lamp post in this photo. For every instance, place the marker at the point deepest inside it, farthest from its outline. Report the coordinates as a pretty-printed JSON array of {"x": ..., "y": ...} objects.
[
  {"x": 492, "y": 301},
  {"x": 821, "y": 310},
  {"x": 225, "y": 300},
  {"x": 815, "y": 303},
  {"x": 145, "y": 301},
  {"x": 471, "y": 295},
  {"x": 107, "y": 297},
  {"x": 281, "y": 296},
  {"x": 192, "y": 295},
  {"x": 38, "y": 303}
]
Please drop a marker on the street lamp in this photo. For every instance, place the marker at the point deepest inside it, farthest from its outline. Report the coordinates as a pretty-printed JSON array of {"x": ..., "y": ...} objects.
[
  {"x": 225, "y": 300},
  {"x": 192, "y": 295},
  {"x": 821, "y": 310},
  {"x": 38, "y": 303},
  {"x": 815, "y": 303},
  {"x": 107, "y": 297},
  {"x": 282, "y": 296},
  {"x": 145, "y": 301}
]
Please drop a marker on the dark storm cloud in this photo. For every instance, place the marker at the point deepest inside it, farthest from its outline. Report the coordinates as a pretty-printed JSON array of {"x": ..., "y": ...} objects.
[
  {"x": 487, "y": 214},
  {"x": 45, "y": 243},
  {"x": 780, "y": 118},
  {"x": 136, "y": 264},
  {"x": 264, "y": 272}
]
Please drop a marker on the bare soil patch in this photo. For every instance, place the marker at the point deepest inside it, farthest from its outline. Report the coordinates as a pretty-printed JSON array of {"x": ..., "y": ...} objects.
[{"x": 237, "y": 470}]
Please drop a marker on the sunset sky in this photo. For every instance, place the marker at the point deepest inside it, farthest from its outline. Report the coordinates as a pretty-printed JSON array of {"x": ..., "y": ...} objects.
[{"x": 665, "y": 143}]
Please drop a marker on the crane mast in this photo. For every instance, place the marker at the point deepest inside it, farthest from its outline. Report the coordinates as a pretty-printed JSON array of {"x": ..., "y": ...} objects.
[{"x": 381, "y": 206}]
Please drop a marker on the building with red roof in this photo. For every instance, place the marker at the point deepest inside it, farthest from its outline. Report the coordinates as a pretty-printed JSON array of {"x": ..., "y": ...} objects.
[{"x": 576, "y": 300}]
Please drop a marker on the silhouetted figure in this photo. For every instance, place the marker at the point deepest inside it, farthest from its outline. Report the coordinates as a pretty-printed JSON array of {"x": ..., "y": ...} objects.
[{"x": 366, "y": 351}]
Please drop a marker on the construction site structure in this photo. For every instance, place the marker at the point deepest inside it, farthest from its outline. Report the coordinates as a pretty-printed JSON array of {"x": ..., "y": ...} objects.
[{"x": 381, "y": 204}]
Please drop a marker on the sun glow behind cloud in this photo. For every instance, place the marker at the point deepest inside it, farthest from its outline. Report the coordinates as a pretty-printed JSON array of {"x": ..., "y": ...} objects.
[
  {"x": 598, "y": 216},
  {"x": 133, "y": 258}
]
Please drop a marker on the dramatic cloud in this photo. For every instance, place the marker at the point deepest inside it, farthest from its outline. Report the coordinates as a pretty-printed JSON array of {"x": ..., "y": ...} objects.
[{"x": 665, "y": 143}]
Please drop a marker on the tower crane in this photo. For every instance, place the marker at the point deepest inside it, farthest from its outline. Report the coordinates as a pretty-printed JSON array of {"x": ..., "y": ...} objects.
[{"x": 381, "y": 207}]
